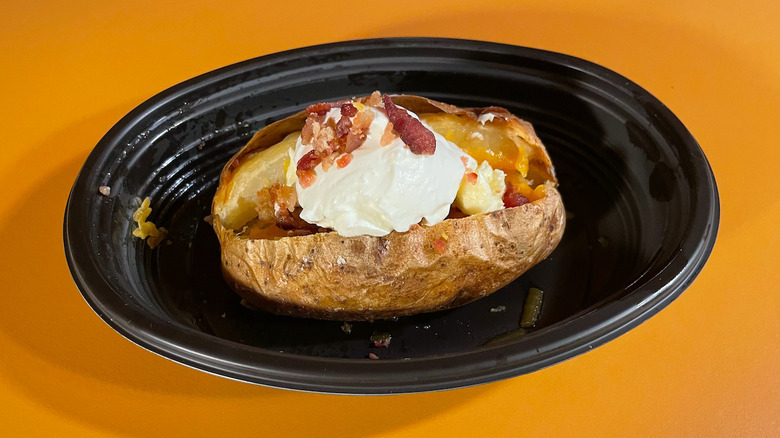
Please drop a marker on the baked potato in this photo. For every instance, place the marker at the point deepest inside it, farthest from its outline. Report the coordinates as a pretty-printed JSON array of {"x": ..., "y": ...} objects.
[{"x": 503, "y": 216}]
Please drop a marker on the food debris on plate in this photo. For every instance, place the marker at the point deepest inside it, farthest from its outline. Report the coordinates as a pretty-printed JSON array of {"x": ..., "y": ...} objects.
[
  {"x": 381, "y": 339},
  {"x": 146, "y": 229},
  {"x": 532, "y": 308}
]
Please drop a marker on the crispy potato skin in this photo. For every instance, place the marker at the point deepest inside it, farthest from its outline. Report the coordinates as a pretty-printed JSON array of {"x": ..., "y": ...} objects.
[
  {"x": 428, "y": 268},
  {"x": 328, "y": 276}
]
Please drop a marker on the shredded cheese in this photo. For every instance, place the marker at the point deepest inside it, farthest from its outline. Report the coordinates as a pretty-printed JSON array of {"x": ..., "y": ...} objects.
[{"x": 147, "y": 230}]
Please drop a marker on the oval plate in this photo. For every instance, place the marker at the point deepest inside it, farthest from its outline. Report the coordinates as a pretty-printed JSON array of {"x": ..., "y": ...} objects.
[{"x": 642, "y": 207}]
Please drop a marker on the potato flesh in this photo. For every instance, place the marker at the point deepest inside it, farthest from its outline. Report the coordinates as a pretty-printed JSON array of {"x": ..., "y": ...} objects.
[
  {"x": 252, "y": 175},
  {"x": 484, "y": 142}
]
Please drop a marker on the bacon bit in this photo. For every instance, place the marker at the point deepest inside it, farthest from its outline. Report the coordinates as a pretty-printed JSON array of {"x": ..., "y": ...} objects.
[
  {"x": 309, "y": 127},
  {"x": 319, "y": 108},
  {"x": 277, "y": 205},
  {"x": 512, "y": 198},
  {"x": 464, "y": 160},
  {"x": 420, "y": 139},
  {"x": 374, "y": 99},
  {"x": 285, "y": 220},
  {"x": 373, "y": 356},
  {"x": 354, "y": 141},
  {"x": 348, "y": 110},
  {"x": 440, "y": 246},
  {"x": 471, "y": 177},
  {"x": 264, "y": 206},
  {"x": 309, "y": 160},
  {"x": 323, "y": 141},
  {"x": 104, "y": 190},
  {"x": 282, "y": 199},
  {"x": 323, "y": 107},
  {"x": 359, "y": 130},
  {"x": 306, "y": 177},
  {"x": 328, "y": 161},
  {"x": 344, "y": 160},
  {"x": 363, "y": 120},
  {"x": 342, "y": 127},
  {"x": 388, "y": 136}
]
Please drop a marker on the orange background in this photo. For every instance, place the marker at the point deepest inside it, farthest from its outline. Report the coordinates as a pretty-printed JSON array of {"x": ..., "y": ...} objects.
[{"x": 707, "y": 365}]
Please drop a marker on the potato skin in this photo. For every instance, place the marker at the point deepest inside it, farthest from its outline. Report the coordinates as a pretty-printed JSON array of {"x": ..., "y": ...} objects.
[
  {"x": 327, "y": 276},
  {"x": 426, "y": 269}
]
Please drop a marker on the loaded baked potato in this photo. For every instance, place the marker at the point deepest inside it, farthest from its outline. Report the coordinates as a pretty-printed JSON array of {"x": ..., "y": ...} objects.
[{"x": 384, "y": 206}]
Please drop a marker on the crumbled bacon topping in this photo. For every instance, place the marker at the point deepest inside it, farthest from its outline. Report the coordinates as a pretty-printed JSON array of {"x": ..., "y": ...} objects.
[
  {"x": 328, "y": 161},
  {"x": 264, "y": 206},
  {"x": 309, "y": 160},
  {"x": 471, "y": 177},
  {"x": 354, "y": 141},
  {"x": 323, "y": 142},
  {"x": 342, "y": 127},
  {"x": 278, "y": 205},
  {"x": 307, "y": 133},
  {"x": 344, "y": 160},
  {"x": 374, "y": 99},
  {"x": 348, "y": 110},
  {"x": 319, "y": 108},
  {"x": 513, "y": 198},
  {"x": 359, "y": 130},
  {"x": 330, "y": 139},
  {"x": 388, "y": 135},
  {"x": 420, "y": 139},
  {"x": 363, "y": 120},
  {"x": 323, "y": 107},
  {"x": 306, "y": 177}
]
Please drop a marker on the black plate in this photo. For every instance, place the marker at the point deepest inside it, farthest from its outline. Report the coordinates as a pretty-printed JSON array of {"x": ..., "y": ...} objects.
[{"x": 642, "y": 202}]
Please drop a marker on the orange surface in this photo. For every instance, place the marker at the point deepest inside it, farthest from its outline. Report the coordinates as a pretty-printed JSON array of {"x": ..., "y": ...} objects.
[{"x": 707, "y": 365}]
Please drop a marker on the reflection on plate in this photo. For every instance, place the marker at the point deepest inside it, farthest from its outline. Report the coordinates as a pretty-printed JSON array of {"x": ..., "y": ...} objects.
[{"x": 641, "y": 198}]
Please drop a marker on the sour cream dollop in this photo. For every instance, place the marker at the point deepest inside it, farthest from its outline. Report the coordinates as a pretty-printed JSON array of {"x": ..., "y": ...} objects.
[{"x": 383, "y": 188}]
